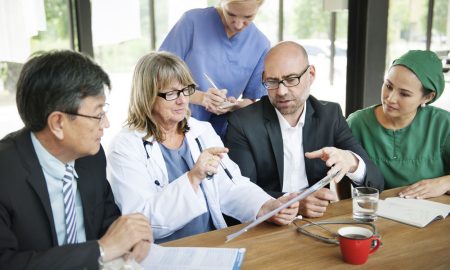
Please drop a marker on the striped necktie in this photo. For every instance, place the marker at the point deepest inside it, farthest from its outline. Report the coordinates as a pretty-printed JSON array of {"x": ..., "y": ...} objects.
[{"x": 69, "y": 206}]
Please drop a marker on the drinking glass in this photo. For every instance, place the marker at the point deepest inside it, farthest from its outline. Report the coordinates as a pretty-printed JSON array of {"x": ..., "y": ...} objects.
[{"x": 365, "y": 203}]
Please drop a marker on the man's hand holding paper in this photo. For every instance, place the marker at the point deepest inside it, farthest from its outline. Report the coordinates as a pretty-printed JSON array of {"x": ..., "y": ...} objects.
[
  {"x": 284, "y": 216},
  {"x": 316, "y": 204}
]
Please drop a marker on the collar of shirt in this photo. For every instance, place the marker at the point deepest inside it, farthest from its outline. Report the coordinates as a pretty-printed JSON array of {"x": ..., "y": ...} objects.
[
  {"x": 284, "y": 124},
  {"x": 49, "y": 163}
]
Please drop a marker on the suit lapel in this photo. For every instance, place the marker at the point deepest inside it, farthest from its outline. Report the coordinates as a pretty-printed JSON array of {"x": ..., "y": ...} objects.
[
  {"x": 274, "y": 132},
  {"x": 309, "y": 138},
  {"x": 36, "y": 177}
]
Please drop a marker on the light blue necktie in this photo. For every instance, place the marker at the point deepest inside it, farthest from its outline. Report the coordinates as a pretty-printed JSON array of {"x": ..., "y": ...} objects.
[{"x": 69, "y": 206}]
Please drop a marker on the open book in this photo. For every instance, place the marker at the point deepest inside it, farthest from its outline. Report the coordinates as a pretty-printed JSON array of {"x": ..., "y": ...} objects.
[
  {"x": 189, "y": 258},
  {"x": 414, "y": 212}
]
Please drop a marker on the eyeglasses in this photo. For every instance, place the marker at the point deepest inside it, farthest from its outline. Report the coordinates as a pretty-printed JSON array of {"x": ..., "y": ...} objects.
[
  {"x": 172, "y": 95},
  {"x": 101, "y": 117},
  {"x": 291, "y": 81}
]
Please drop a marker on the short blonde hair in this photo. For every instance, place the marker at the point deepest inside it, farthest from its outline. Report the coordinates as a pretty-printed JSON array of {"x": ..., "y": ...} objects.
[
  {"x": 224, "y": 2},
  {"x": 153, "y": 72}
]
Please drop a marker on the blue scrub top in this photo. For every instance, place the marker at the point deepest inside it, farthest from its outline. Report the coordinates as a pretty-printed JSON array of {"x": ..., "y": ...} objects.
[
  {"x": 179, "y": 161},
  {"x": 235, "y": 64}
]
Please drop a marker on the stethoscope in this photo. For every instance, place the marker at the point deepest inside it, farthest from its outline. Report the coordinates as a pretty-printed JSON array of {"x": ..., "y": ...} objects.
[
  {"x": 157, "y": 183},
  {"x": 200, "y": 147}
]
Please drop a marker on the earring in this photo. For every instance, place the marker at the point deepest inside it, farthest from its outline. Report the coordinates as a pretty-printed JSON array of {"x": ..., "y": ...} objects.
[{"x": 423, "y": 105}]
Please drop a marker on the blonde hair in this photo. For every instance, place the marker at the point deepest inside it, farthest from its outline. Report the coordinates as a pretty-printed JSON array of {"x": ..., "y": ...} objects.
[
  {"x": 224, "y": 2},
  {"x": 153, "y": 72}
]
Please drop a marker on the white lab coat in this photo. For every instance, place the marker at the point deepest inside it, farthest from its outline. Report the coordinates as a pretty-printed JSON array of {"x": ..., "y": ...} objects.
[{"x": 170, "y": 207}]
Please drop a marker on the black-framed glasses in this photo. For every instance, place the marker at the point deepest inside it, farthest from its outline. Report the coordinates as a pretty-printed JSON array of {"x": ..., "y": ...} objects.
[
  {"x": 101, "y": 117},
  {"x": 174, "y": 94},
  {"x": 272, "y": 84}
]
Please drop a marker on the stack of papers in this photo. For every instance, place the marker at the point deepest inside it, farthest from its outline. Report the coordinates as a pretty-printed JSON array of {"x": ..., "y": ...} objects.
[{"x": 189, "y": 258}]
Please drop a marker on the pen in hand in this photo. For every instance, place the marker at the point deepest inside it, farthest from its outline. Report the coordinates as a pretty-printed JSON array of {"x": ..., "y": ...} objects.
[
  {"x": 159, "y": 227},
  {"x": 225, "y": 103},
  {"x": 210, "y": 81},
  {"x": 226, "y": 170},
  {"x": 199, "y": 144}
]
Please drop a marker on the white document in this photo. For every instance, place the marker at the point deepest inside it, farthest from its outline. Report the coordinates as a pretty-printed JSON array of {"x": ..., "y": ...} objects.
[
  {"x": 320, "y": 184},
  {"x": 413, "y": 212},
  {"x": 189, "y": 258}
]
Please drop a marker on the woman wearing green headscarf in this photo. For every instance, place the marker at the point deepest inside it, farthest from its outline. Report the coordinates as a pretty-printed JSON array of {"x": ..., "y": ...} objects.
[{"x": 408, "y": 140}]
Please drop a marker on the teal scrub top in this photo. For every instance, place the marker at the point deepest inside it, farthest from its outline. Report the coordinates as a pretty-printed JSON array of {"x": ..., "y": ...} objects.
[{"x": 405, "y": 156}]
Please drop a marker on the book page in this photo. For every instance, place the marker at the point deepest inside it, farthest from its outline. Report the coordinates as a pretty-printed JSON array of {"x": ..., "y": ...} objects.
[
  {"x": 414, "y": 212},
  {"x": 188, "y": 258}
]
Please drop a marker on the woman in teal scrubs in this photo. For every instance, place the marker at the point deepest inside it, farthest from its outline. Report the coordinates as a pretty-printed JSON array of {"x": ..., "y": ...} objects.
[{"x": 406, "y": 138}]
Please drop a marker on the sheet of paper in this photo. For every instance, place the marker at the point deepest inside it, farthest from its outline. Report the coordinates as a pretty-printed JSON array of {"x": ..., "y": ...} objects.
[
  {"x": 189, "y": 258},
  {"x": 323, "y": 182}
]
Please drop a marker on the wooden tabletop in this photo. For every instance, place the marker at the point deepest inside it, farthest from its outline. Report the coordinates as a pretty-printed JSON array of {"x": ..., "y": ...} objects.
[{"x": 282, "y": 247}]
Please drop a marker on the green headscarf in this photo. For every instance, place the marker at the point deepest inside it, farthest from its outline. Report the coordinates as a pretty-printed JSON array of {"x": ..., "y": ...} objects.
[{"x": 428, "y": 68}]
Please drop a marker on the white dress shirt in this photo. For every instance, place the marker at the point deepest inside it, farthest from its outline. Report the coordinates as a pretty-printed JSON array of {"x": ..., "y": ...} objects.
[{"x": 294, "y": 176}]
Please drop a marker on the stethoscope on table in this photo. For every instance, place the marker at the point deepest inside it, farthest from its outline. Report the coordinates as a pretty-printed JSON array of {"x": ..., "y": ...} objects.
[{"x": 200, "y": 147}]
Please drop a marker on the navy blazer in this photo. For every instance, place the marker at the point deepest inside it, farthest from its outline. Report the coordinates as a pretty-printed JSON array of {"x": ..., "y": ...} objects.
[
  {"x": 256, "y": 144},
  {"x": 27, "y": 232}
]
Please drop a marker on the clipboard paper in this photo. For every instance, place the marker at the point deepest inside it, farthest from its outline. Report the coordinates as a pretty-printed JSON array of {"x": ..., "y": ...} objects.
[{"x": 320, "y": 184}]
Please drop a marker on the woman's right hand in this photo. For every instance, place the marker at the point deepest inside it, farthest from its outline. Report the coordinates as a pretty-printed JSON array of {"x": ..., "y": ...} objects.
[
  {"x": 207, "y": 164},
  {"x": 427, "y": 188},
  {"x": 213, "y": 99}
]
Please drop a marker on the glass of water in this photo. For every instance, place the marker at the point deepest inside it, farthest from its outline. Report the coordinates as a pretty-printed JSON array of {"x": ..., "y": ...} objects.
[{"x": 365, "y": 203}]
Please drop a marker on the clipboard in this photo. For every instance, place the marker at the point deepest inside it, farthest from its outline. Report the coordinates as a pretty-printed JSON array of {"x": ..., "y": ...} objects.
[{"x": 320, "y": 184}]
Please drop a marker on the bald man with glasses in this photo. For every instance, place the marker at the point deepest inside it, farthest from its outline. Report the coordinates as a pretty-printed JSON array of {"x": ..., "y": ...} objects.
[{"x": 289, "y": 140}]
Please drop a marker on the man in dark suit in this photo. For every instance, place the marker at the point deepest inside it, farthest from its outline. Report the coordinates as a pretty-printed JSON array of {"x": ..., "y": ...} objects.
[
  {"x": 57, "y": 210},
  {"x": 289, "y": 140}
]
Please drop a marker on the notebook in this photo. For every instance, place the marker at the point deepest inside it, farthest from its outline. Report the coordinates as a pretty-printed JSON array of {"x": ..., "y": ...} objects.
[{"x": 415, "y": 212}]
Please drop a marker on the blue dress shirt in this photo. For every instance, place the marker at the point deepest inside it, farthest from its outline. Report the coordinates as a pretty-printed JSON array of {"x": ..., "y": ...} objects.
[{"x": 54, "y": 171}]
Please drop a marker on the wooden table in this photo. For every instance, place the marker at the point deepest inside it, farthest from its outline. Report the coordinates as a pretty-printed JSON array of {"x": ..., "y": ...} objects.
[{"x": 282, "y": 247}]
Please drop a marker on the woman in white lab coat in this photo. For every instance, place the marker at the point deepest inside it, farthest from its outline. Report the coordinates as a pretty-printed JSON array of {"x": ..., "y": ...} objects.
[{"x": 174, "y": 168}]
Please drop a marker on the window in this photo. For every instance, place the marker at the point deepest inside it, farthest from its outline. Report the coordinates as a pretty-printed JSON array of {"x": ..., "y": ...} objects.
[
  {"x": 407, "y": 24},
  {"x": 267, "y": 20},
  {"x": 310, "y": 24},
  {"x": 170, "y": 11},
  {"x": 121, "y": 36},
  {"x": 26, "y": 27},
  {"x": 406, "y": 27}
]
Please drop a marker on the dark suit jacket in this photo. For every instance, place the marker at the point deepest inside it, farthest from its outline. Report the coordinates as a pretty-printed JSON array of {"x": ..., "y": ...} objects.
[
  {"x": 27, "y": 232},
  {"x": 255, "y": 142}
]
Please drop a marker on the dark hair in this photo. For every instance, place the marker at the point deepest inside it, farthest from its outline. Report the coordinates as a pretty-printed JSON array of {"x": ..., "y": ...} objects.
[
  {"x": 426, "y": 92},
  {"x": 56, "y": 81}
]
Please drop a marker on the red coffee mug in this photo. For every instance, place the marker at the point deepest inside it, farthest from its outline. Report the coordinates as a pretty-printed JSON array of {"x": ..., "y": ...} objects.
[{"x": 356, "y": 244}]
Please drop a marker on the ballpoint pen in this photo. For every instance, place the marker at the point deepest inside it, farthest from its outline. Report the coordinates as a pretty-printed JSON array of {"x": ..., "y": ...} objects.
[
  {"x": 220, "y": 162},
  {"x": 225, "y": 104},
  {"x": 159, "y": 227},
  {"x": 210, "y": 81},
  {"x": 226, "y": 170}
]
